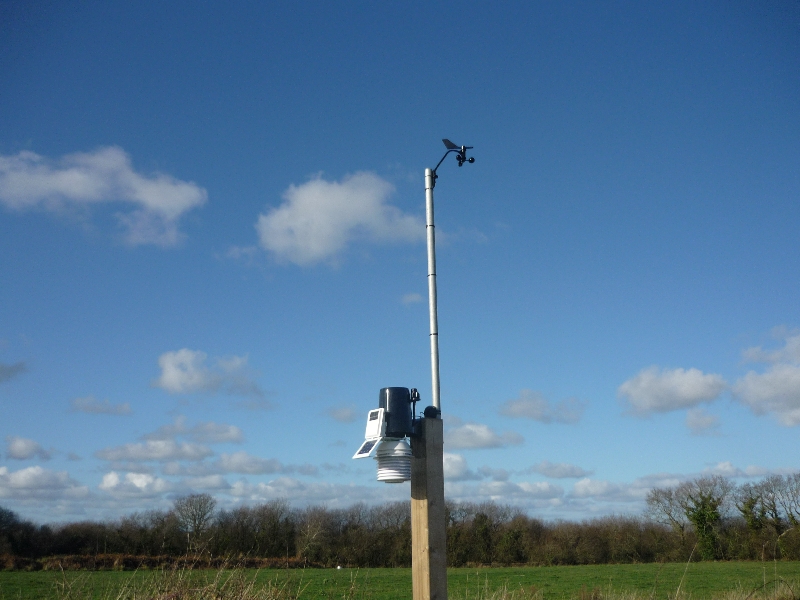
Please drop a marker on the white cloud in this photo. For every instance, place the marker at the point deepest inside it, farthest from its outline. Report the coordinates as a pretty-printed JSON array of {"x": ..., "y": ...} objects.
[
  {"x": 503, "y": 491},
  {"x": 790, "y": 353},
  {"x": 777, "y": 390},
  {"x": 8, "y": 372},
  {"x": 655, "y": 390},
  {"x": 701, "y": 422},
  {"x": 160, "y": 450},
  {"x": 332, "y": 495},
  {"x": 30, "y": 181},
  {"x": 242, "y": 462},
  {"x": 20, "y": 448},
  {"x": 455, "y": 468},
  {"x": 44, "y": 495},
  {"x": 661, "y": 480},
  {"x": 91, "y": 405},
  {"x": 588, "y": 496},
  {"x": 204, "y": 433},
  {"x": 185, "y": 371},
  {"x": 412, "y": 298},
  {"x": 131, "y": 466},
  {"x": 216, "y": 433},
  {"x": 599, "y": 496},
  {"x": 494, "y": 473},
  {"x": 319, "y": 218},
  {"x": 558, "y": 470},
  {"x": 642, "y": 485},
  {"x": 343, "y": 414},
  {"x": 532, "y": 497},
  {"x": 725, "y": 469},
  {"x": 478, "y": 435},
  {"x": 175, "y": 468},
  {"x": 38, "y": 483},
  {"x": 757, "y": 471},
  {"x": 532, "y": 405},
  {"x": 134, "y": 485},
  {"x": 541, "y": 489},
  {"x": 728, "y": 469},
  {"x": 208, "y": 482},
  {"x": 593, "y": 488}
]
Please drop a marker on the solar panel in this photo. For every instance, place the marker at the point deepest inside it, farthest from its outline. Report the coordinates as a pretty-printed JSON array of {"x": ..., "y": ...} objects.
[{"x": 366, "y": 449}]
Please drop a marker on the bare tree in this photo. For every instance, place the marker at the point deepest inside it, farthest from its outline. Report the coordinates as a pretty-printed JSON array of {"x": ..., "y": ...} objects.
[
  {"x": 313, "y": 533},
  {"x": 664, "y": 506},
  {"x": 749, "y": 500},
  {"x": 704, "y": 502},
  {"x": 274, "y": 533},
  {"x": 195, "y": 513},
  {"x": 788, "y": 498},
  {"x": 772, "y": 504}
]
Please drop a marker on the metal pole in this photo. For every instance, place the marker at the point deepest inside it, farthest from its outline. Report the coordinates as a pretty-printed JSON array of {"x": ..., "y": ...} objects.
[{"x": 431, "y": 235}]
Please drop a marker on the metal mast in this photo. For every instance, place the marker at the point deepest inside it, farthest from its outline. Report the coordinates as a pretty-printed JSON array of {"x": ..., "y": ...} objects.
[
  {"x": 430, "y": 230},
  {"x": 430, "y": 183}
]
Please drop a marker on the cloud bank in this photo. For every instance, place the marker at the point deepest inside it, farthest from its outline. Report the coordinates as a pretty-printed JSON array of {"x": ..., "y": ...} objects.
[
  {"x": 203, "y": 433},
  {"x": 461, "y": 436},
  {"x": 134, "y": 485},
  {"x": 93, "y": 406},
  {"x": 532, "y": 405},
  {"x": 776, "y": 390},
  {"x": 319, "y": 218},
  {"x": 662, "y": 390},
  {"x": 456, "y": 469},
  {"x": 558, "y": 470},
  {"x": 185, "y": 371},
  {"x": 158, "y": 450},
  {"x": 155, "y": 204},
  {"x": 701, "y": 422},
  {"x": 36, "y": 483},
  {"x": 20, "y": 448}
]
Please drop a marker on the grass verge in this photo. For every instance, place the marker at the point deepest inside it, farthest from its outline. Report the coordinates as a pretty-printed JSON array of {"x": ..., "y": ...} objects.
[{"x": 672, "y": 581}]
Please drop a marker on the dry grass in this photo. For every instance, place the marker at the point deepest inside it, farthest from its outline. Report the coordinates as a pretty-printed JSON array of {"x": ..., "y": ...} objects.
[
  {"x": 778, "y": 589},
  {"x": 181, "y": 584},
  {"x": 248, "y": 584},
  {"x": 503, "y": 593}
]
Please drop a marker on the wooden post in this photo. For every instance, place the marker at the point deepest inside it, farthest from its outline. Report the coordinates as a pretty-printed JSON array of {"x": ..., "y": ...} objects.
[{"x": 428, "y": 533}]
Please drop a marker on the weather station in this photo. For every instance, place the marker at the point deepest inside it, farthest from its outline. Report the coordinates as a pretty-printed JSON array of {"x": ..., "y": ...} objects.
[
  {"x": 408, "y": 446},
  {"x": 387, "y": 429}
]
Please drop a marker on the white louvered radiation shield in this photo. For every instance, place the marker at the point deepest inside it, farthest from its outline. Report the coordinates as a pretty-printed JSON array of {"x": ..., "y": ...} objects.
[{"x": 394, "y": 461}]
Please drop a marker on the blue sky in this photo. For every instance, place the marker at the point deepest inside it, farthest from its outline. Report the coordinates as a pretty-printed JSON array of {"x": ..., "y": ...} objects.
[{"x": 213, "y": 257}]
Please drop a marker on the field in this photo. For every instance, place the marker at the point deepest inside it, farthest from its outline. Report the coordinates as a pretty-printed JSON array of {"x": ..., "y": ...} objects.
[{"x": 697, "y": 581}]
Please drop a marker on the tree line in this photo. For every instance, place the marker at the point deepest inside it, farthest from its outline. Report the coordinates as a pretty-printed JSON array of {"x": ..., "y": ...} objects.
[{"x": 703, "y": 519}]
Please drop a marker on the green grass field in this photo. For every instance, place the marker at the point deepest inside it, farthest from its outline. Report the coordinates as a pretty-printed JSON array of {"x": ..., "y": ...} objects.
[{"x": 698, "y": 581}]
